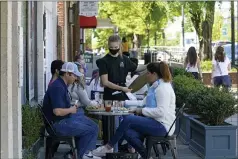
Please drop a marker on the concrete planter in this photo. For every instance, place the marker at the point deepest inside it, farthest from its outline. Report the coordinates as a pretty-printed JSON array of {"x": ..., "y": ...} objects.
[
  {"x": 184, "y": 125},
  {"x": 212, "y": 142}
]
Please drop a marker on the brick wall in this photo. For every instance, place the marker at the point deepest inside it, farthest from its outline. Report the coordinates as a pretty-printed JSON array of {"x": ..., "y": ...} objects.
[{"x": 61, "y": 22}]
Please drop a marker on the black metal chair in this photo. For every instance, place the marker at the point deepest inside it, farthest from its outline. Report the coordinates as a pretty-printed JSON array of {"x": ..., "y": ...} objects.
[
  {"x": 51, "y": 139},
  {"x": 165, "y": 141}
]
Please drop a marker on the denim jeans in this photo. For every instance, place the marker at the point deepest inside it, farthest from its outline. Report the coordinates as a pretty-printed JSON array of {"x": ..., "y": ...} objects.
[
  {"x": 224, "y": 81},
  {"x": 134, "y": 129},
  {"x": 84, "y": 130}
]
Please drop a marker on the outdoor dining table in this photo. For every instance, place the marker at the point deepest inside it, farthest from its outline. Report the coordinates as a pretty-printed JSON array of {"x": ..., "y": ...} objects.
[{"x": 112, "y": 119}]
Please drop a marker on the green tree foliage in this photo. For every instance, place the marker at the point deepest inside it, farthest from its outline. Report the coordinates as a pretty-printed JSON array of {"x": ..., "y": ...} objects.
[
  {"x": 201, "y": 14},
  {"x": 188, "y": 25},
  {"x": 217, "y": 27},
  {"x": 136, "y": 18},
  {"x": 102, "y": 36}
]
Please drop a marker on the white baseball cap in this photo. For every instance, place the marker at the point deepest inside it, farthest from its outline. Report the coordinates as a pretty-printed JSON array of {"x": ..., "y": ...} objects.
[{"x": 72, "y": 68}]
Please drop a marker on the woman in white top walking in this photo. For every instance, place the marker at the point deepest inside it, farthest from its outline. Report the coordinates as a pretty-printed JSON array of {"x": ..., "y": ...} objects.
[
  {"x": 192, "y": 63},
  {"x": 221, "y": 66},
  {"x": 155, "y": 121}
]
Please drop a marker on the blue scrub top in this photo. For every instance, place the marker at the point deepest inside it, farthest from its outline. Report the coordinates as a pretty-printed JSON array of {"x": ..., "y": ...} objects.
[{"x": 56, "y": 96}]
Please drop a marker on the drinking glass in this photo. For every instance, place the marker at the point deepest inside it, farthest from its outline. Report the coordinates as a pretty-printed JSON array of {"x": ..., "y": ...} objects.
[
  {"x": 115, "y": 106},
  {"x": 97, "y": 96},
  {"x": 108, "y": 105}
]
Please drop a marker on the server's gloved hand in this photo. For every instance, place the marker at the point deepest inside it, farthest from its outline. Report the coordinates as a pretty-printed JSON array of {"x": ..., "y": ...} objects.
[{"x": 125, "y": 89}]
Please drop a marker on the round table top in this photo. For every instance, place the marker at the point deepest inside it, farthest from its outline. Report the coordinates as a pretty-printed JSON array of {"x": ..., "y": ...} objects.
[{"x": 110, "y": 113}]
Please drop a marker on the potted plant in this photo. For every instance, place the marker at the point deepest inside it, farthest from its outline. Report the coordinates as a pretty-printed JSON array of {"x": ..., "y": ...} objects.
[
  {"x": 31, "y": 126},
  {"x": 211, "y": 137},
  {"x": 184, "y": 85}
]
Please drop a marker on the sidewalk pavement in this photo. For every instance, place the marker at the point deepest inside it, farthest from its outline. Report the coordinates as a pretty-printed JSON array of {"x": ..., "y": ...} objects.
[{"x": 183, "y": 152}]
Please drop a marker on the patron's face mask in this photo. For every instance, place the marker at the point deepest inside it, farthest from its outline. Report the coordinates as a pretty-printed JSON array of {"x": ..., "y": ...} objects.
[{"x": 114, "y": 51}]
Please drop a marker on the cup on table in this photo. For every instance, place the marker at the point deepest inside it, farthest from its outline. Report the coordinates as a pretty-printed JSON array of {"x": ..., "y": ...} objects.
[
  {"x": 108, "y": 105},
  {"x": 115, "y": 106}
]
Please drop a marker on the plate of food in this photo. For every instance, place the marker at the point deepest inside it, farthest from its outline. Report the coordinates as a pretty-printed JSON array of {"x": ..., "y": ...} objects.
[
  {"x": 94, "y": 109},
  {"x": 123, "y": 109}
]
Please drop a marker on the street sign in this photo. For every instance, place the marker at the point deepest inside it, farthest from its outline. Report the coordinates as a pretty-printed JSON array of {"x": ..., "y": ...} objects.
[
  {"x": 88, "y": 58},
  {"x": 88, "y": 8}
]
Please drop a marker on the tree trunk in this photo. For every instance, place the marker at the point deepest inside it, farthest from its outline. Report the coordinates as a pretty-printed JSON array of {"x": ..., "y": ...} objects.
[
  {"x": 200, "y": 53},
  {"x": 206, "y": 34},
  {"x": 207, "y": 30}
]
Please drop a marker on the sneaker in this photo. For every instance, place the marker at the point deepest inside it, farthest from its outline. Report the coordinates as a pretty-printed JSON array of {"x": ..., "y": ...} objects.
[
  {"x": 101, "y": 151},
  {"x": 90, "y": 156}
]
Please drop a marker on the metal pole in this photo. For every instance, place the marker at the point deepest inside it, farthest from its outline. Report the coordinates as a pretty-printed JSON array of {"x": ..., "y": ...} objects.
[
  {"x": 183, "y": 26},
  {"x": 155, "y": 39},
  {"x": 232, "y": 33}
]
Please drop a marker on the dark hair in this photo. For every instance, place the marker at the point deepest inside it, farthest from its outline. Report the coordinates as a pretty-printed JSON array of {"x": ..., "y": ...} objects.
[
  {"x": 62, "y": 73},
  {"x": 161, "y": 69},
  {"x": 219, "y": 55},
  {"x": 77, "y": 57},
  {"x": 56, "y": 65},
  {"x": 124, "y": 39},
  {"x": 191, "y": 56}
]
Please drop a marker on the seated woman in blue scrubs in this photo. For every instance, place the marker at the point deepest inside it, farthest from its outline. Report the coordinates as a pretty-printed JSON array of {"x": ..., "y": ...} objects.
[{"x": 157, "y": 117}]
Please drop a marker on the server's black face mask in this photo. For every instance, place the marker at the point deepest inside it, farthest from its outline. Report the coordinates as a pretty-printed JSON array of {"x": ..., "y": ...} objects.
[{"x": 114, "y": 51}]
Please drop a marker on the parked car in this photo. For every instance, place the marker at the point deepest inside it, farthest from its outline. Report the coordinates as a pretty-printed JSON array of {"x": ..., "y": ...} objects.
[
  {"x": 227, "y": 49},
  {"x": 218, "y": 43}
]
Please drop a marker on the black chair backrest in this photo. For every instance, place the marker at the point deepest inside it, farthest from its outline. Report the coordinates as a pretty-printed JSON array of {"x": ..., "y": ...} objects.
[
  {"x": 48, "y": 124},
  {"x": 179, "y": 112}
]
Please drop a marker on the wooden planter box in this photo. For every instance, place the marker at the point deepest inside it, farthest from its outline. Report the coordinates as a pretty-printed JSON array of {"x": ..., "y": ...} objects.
[
  {"x": 207, "y": 77},
  {"x": 184, "y": 125},
  {"x": 212, "y": 142}
]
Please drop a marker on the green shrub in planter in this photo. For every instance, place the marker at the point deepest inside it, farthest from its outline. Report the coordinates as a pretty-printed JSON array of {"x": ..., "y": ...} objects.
[
  {"x": 181, "y": 71},
  {"x": 184, "y": 85},
  {"x": 211, "y": 137},
  {"x": 31, "y": 125},
  {"x": 212, "y": 105},
  {"x": 206, "y": 66}
]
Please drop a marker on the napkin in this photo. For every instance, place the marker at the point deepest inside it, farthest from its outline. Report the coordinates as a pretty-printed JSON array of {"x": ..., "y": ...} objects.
[
  {"x": 131, "y": 96},
  {"x": 133, "y": 103}
]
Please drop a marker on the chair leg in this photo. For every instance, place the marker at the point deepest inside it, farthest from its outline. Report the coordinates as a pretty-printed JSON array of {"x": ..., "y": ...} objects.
[
  {"x": 55, "y": 147},
  {"x": 149, "y": 145},
  {"x": 163, "y": 146},
  {"x": 75, "y": 154},
  {"x": 156, "y": 149},
  {"x": 173, "y": 148},
  {"x": 48, "y": 150}
]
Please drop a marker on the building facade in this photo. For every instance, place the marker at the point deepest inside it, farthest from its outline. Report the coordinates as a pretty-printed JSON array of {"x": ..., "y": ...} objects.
[{"x": 28, "y": 46}]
